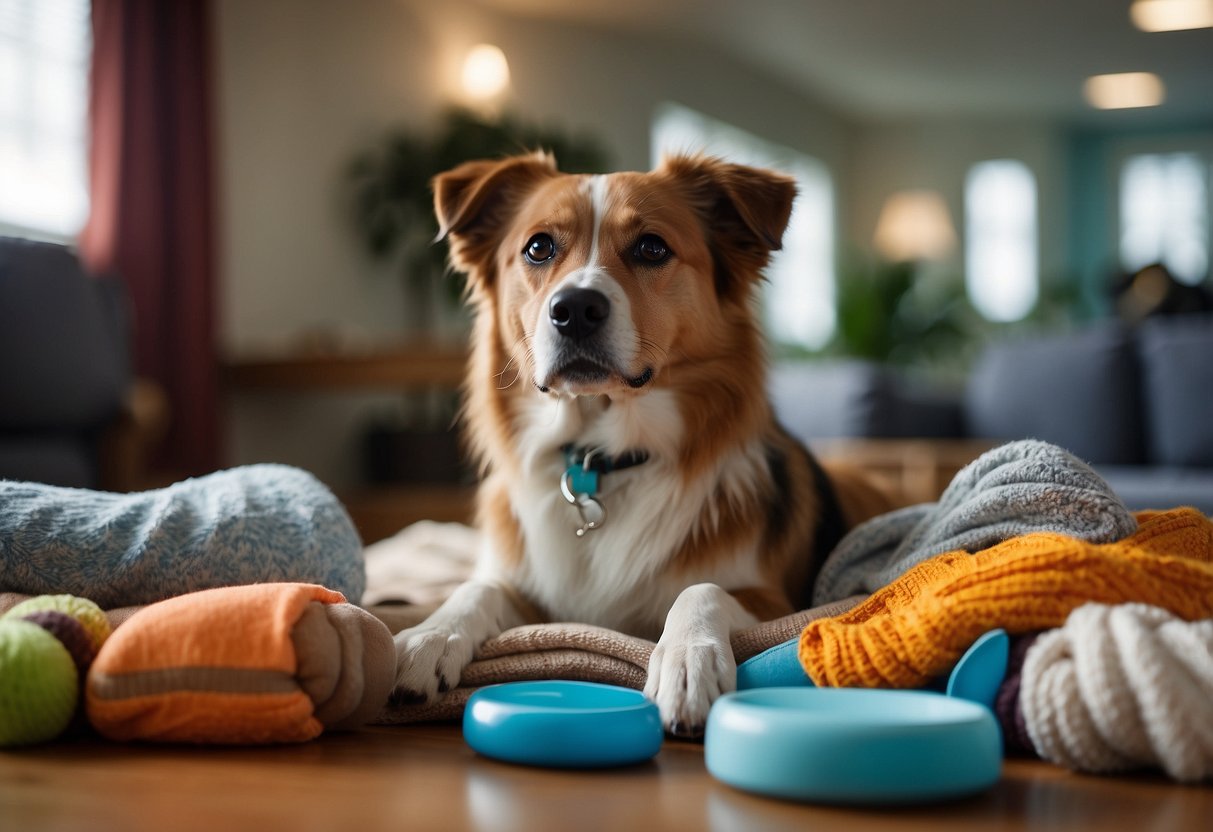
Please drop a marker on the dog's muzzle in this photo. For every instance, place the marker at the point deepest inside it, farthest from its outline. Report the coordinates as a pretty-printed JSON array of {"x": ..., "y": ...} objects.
[{"x": 579, "y": 316}]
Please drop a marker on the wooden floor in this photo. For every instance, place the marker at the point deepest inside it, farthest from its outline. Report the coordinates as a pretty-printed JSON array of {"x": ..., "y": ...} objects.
[{"x": 425, "y": 777}]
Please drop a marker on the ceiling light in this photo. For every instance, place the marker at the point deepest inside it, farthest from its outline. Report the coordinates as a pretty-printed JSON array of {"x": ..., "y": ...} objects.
[
  {"x": 1171, "y": 15},
  {"x": 1123, "y": 90},
  {"x": 485, "y": 72}
]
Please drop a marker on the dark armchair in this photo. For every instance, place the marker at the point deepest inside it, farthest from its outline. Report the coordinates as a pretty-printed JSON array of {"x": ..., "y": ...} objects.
[{"x": 71, "y": 411}]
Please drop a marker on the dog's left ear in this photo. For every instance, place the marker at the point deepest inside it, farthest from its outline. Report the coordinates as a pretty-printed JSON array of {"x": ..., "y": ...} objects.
[
  {"x": 473, "y": 200},
  {"x": 746, "y": 210}
]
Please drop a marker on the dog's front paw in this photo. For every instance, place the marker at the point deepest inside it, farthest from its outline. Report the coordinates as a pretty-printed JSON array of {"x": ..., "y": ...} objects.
[
  {"x": 429, "y": 662},
  {"x": 685, "y": 678}
]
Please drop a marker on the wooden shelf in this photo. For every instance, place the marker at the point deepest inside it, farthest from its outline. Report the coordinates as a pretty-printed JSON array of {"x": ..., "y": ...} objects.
[{"x": 391, "y": 368}]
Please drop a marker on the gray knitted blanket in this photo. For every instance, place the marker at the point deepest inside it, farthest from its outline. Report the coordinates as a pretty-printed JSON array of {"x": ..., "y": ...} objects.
[
  {"x": 253, "y": 524},
  {"x": 1017, "y": 488}
]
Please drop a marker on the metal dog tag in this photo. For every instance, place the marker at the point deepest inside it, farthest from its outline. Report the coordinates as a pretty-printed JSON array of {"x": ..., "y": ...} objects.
[{"x": 592, "y": 512}]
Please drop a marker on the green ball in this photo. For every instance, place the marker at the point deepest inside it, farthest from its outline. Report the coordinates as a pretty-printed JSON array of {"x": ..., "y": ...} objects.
[
  {"x": 90, "y": 616},
  {"x": 38, "y": 684}
]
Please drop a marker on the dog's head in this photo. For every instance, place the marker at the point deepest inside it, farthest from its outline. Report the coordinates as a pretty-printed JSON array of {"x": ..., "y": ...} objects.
[{"x": 597, "y": 285}]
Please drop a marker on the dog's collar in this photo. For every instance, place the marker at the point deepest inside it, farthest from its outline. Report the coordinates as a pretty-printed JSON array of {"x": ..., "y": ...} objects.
[
  {"x": 590, "y": 459},
  {"x": 579, "y": 482}
]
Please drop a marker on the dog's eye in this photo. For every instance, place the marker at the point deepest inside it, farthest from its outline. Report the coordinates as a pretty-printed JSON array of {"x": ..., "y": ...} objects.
[
  {"x": 651, "y": 250},
  {"x": 539, "y": 249}
]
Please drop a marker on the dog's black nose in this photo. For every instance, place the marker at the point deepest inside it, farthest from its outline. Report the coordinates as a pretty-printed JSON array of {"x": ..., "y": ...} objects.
[{"x": 578, "y": 313}]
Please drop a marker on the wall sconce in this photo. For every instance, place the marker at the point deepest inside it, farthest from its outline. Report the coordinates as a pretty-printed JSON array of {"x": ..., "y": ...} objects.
[
  {"x": 915, "y": 225},
  {"x": 486, "y": 73}
]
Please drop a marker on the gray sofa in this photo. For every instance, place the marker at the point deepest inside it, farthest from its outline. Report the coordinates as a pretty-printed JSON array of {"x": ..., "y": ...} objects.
[
  {"x": 64, "y": 364},
  {"x": 1136, "y": 403}
]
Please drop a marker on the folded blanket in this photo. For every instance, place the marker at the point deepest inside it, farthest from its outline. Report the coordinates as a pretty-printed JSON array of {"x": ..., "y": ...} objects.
[
  {"x": 420, "y": 564},
  {"x": 1015, "y": 489},
  {"x": 918, "y": 626},
  {"x": 583, "y": 653}
]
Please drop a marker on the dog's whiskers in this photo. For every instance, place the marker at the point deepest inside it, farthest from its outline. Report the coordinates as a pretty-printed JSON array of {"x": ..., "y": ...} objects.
[
  {"x": 504, "y": 370},
  {"x": 652, "y": 354},
  {"x": 529, "y": 355}
]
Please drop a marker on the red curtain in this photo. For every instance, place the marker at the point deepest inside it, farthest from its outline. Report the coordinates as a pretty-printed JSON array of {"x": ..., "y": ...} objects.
[{"x": 152, "y": 220}]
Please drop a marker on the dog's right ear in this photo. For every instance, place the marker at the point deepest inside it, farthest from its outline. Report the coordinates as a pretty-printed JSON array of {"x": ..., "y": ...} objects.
[{"x": 474, "y": 200}]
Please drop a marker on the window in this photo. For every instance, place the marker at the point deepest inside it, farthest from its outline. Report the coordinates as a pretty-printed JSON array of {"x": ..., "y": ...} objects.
[
  {"x": 1001, "y": 265},
  {"x": 799, "y": 298},
  {"x": 1164, "y": 214},
  {"x": 44, "y": 55}
]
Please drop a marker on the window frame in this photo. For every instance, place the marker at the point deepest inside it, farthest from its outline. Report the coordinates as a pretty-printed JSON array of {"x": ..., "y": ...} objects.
[
  {"x": 805, "y": 167},
  {"x": 78, "y": 134},
  {"x": 1198, "y": 143}
]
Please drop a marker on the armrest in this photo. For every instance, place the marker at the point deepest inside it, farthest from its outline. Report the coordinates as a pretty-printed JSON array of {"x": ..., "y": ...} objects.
[{"x": 128, "y": 440}]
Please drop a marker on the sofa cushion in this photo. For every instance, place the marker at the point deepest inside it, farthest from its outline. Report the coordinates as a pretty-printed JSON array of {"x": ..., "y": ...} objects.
[
  {"x": 853, "y": 398},
  {"x": 1077, "y": 390},
  {"x": 826, "y": 399},
  {"x": 63, "y": 349},
  {"x": 1160, "y": 486},
  {"x": 1177, "y": 367}
]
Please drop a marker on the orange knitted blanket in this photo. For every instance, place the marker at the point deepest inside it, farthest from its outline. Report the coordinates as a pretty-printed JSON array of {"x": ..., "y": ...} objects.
[{"x": 917, "y": 627}]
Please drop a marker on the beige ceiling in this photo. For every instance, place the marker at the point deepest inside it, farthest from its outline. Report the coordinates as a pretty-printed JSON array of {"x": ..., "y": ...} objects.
[{"x": 891, "y": 58}]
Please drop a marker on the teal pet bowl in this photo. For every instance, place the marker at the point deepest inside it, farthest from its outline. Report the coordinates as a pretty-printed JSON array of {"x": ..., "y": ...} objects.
[
  {"x": 562, "y": 724},
  {"x": 849, "y": 745}
]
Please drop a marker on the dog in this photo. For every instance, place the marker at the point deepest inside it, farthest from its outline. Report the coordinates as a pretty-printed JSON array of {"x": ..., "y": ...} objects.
[{"x": 634, "y": 476}]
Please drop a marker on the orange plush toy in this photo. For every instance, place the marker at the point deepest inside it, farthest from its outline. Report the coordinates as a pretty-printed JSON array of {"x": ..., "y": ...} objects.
[{"x": 261, "y": 663}]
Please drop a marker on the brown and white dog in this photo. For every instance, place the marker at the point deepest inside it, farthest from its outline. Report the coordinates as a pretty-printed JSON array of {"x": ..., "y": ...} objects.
[{"x": 635, "y": 477}]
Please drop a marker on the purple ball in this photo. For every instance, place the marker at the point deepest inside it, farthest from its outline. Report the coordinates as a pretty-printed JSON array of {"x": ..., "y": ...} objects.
[{"x": 71, "y": 634}]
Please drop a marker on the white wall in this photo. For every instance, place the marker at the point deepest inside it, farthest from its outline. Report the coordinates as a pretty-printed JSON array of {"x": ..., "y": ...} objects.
[{"x": 302, "y": 85}]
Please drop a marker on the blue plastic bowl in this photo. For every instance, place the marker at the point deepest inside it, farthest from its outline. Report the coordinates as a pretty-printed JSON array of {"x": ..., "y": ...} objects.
[
  {"x": 562, "y": 724},
  {"x": 847, "y": 745}
]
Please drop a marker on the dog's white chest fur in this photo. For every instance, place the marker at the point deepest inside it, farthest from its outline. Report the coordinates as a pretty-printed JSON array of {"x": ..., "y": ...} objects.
[{"x": 616, "y": 576}]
